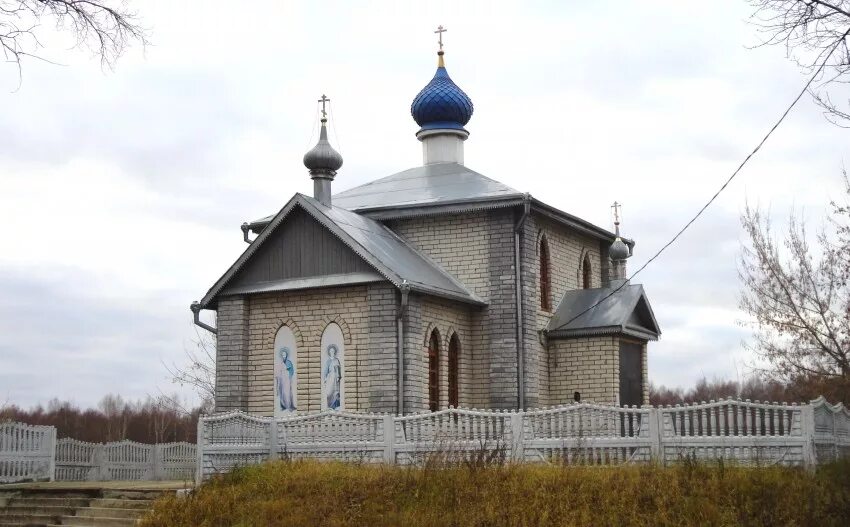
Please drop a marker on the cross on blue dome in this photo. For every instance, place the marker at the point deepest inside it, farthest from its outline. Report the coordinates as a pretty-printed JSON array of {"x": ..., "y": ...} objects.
[{"x": 441, "y": 104}]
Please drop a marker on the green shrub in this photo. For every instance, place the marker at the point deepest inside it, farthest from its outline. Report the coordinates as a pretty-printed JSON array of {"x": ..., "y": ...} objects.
[{"x": 335, "y": 494}]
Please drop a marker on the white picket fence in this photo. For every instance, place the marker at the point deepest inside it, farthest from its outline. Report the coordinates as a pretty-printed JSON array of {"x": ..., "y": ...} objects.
[
  {"x": 124, "y": 461},
  {"x": 32, "y": 453},
  {"x": 26, "y": 452},
  {"x": 739, "y": 431},
  {"x": 743, "y": 432}
]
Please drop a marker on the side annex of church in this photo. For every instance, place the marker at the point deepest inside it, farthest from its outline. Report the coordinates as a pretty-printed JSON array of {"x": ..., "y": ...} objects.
[{"x": 429, "y": 288}]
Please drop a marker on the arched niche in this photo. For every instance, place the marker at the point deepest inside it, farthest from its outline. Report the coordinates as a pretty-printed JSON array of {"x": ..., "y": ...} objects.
[
  {"x": 285, "y": 372},
  {"x": 332, "y": 381}
]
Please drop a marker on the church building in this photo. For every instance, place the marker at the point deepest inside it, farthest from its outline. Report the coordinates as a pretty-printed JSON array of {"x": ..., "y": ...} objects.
[{"x": 432, "y": 287}]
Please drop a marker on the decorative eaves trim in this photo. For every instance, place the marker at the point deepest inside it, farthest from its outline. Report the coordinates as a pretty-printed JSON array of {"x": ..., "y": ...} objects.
[
  {"x": 456, "y": 207},
  {"x": 631, "y": 331},
  {"x": 310, "y": 282},
  {"x": 414, "y": 211}
]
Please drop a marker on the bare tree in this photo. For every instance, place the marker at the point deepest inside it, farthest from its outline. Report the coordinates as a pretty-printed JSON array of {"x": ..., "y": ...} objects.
[
  {"x": 197, "y": 372},
  {"x": 116, "y": 410},
  {"x": 815, "y": 35},
  {"x": 105, "y": 27},
  {"x": 799, "y": 304}
]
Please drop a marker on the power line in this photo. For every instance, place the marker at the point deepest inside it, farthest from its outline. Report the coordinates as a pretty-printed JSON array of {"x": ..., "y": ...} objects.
[{"x": 729, "y": 180}]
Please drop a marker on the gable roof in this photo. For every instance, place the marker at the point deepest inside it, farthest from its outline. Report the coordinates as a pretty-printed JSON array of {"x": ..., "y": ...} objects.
[
  {"x": 625, "y": 312},
  {"x": 385, "y": 251}
]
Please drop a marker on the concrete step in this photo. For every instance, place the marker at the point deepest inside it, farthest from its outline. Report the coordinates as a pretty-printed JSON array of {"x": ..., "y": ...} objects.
[
  {"x": 47, "y": 502},
  {"x": 110, "y": 512},
  {"x": 121, "y": 504},
  {"x": 23, "y": 510},
  {"x": 29, "y": 519},
  {"x": 84, "y": 521},
  {"x": 132, "y": 494},
  {"x": 81, "y": 507}
]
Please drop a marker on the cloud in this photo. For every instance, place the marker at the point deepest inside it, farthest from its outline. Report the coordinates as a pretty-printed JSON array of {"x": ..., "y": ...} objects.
[
  {"x": 61, "y": 340},
  {"x": 121, "y": 193}
]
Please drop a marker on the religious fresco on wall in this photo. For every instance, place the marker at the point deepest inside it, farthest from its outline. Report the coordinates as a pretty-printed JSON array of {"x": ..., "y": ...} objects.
[
  {"x": 285, "y": 372},
  {"x": 333, "y": 357}
]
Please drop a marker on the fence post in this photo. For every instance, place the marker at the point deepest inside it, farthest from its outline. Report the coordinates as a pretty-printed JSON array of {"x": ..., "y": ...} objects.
[
  {"x": 655, "y": 448},
  {"x": 517, "y": 436},
  {"x": 389, "y": 439},
  {"x": 807, "y": 422},
  {"x": 836, "y": 452},
  {"x": 273, "y": 439},
  {"x": 99, "y": 471},
  {"x": 156, "y": 462},
  {"x": 52, "y": 446},
  {"x": 199, "y": 451}
]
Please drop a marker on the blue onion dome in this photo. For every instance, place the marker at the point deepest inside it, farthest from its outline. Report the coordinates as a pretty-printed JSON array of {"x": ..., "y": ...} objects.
[
  {"x": 322, "y": 158},
  {"x": 441, "y": 104},
  {"x": 618, "y": 250}
]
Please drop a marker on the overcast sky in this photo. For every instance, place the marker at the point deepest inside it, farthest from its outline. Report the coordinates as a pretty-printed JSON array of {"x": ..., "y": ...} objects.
[{"x": 122, "y": 192}]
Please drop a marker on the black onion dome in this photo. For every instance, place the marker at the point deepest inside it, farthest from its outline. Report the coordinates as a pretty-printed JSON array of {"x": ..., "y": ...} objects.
[{"x": 323, "y": 157}]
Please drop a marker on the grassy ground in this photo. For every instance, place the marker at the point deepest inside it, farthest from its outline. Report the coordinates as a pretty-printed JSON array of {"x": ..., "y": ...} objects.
[{"x": 330, "y": 494}]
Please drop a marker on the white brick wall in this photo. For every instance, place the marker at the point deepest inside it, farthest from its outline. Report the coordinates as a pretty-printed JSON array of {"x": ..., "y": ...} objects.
[
  {"x": 566, "y": 253},
  {"x": 370, "y": 354},
  {"x": 477, "y": 248},
  {"x": 590, "y": 366}
]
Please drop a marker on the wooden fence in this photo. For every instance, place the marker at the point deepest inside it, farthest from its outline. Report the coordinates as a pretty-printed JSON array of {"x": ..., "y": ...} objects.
[
  {"x": 743, "y": 432},
  {"x": 32, "y": 453}
]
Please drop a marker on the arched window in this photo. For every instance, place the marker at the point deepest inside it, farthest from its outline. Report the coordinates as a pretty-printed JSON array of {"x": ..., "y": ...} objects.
[
  {"x": 454, "y": 354},
  {"x": 434, "y": 371},
  {"x": 586, "y": 273},
  {"x": 333, "y": 368},
  {"x": 285, "y": 372},
  {"x": 545, "y": 276}
]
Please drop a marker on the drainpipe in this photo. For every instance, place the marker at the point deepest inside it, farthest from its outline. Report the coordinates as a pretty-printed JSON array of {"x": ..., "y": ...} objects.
[
  {"x": 520, "y": 347},
  {"x": 402, "y": 310},
  {"x": 196, "y": 310},
  {"x": 245, "y": 230}
]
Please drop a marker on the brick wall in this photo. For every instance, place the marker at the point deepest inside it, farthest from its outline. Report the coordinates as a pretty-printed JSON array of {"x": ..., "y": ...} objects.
[
  {"x": 366, "y": 315},
  {"x": 645, "y": 373},
  {"x": 381, "y": 357},
  {"x": 460, "y": 243},
  {"x": 567, "y": 249},
  {"x": 590, "y": 366},
  {"x": 447, "y": 318},
  {"x": 231, "y": 361},
  {"x": 477, "y": 248}
]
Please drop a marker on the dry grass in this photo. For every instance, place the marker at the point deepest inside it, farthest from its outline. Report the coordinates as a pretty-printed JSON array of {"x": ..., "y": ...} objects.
[{"x": 334, "y": 494}]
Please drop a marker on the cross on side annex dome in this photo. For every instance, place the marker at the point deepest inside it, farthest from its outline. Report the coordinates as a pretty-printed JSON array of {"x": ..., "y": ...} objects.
[{"x": 433, "y": 287}]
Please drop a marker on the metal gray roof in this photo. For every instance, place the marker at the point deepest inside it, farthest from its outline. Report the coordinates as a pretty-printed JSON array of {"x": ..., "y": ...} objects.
[
  {"x": 429, "y": 185},
  {"x": 627, "y": 311},
  {"x": 439, "y": 183},
  {"x": 443, "y": 188},
  {"x": 384, "y": 250}
]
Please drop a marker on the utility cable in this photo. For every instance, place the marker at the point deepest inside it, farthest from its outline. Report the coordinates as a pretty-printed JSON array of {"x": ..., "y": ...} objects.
[{"x": 729, "y": 180}]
